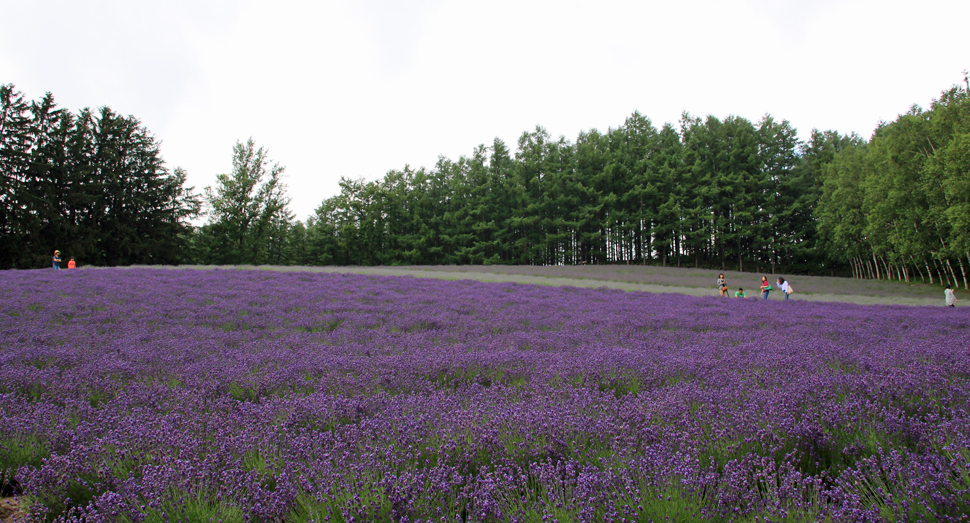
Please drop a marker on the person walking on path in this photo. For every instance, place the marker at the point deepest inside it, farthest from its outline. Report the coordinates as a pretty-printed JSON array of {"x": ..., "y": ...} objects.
[
  {"x": 722, "y": 285},
  {"x": 739, "y": 293},
  {"x": 765, "y": 288},
  {"x": 783, "y": 285},
  {"x": 57, "y": 260},
  {"x": 71, "y": 264},
  {"x": 951, "y": 299}
]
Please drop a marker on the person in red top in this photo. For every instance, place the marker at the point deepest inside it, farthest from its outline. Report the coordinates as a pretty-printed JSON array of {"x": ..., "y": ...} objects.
[
  {"x": 70, "y": 263},
  {"x": 765, "y": 287}
]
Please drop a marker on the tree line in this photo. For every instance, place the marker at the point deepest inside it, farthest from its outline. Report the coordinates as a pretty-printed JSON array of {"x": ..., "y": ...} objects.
[
  {"x": 711, "y": 193},
  {"x": 898, "y": 206},
  {"x": 707, "y": 192},
  {"x": 92, "y": 184}
]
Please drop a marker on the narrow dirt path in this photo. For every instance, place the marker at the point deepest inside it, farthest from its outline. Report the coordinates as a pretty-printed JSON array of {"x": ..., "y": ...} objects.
[{"x": 10, "y": 511}]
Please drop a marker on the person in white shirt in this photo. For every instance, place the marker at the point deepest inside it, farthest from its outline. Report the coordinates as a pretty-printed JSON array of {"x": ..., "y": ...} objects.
[
  {"x": 783, "y": 285},
  {"x": 951, "y": 299}
]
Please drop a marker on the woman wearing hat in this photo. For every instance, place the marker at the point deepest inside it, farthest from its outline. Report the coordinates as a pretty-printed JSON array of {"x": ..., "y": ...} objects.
[{"x": 57, "y": 260}]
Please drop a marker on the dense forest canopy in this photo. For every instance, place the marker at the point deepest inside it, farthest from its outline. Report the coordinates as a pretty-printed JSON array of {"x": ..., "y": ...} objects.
[
  {"x": 91, "y": 184},
  {"x": 707, "y": 192}
]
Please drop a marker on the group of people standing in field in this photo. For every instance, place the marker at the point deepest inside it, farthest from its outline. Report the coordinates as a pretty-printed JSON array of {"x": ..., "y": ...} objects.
[
  {"x": 784, "y": 286},
  {"x": 765, "y": 287},
  {"x": 57, "y": 261}
]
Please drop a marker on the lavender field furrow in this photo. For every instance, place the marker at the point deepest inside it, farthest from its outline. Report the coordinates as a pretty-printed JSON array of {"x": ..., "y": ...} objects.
[{"x": 154, "y": 395}]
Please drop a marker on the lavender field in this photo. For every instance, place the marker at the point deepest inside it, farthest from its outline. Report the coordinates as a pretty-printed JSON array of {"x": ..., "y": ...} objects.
[{"x": 186, "y": 395}]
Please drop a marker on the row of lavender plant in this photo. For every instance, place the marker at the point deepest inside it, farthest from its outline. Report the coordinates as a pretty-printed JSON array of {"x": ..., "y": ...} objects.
[{"x": 168, "y": 395}]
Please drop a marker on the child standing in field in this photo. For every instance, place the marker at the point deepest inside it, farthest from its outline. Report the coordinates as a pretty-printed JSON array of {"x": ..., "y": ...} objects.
[
  {"x": 71, "y": 264},
  {"x": 765, "y": 287},
  {"x": 722, "y": 285},
  {"x": 739, "y": 293},
  {"x": 951, "y": 299},
  {"x": 783, "y": 285},
  {"x": 57, "y": 260}
]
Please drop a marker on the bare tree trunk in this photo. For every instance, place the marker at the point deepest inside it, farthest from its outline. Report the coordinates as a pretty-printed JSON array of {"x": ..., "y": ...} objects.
[
  {"x": 941, "y": 273},
  {"x": 956, "y": 283},
  {"x": 946, "y": 273},
  {"x": 964, "y": 271},
  {"x": 853, "y": 267},
  {"x": 740, "y": 257},
  {"x": 928, "y": 271},
  {"x": 677, "y": 248},
  {"x": 916, "y": 265},
  {"x": 968, "y": 259},
  {"x": 875, "y": 262},
  {"x": 869, "y": 268},
  {"x": 650, "y": 247}
]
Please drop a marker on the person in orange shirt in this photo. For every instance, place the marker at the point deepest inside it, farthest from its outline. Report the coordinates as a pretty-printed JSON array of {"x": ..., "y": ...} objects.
[{"x": 70, "y": 263}]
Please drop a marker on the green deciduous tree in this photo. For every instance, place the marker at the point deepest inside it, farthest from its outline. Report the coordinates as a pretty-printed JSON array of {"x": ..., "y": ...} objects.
[{"x": 248, "y": 211}]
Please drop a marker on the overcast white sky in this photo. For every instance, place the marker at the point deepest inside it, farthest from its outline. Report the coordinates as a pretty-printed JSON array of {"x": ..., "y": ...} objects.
[{"x": 355, "y": 88}]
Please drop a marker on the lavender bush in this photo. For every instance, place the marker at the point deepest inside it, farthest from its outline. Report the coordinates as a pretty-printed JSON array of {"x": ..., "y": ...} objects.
[{"x": 163, "y": 395}]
